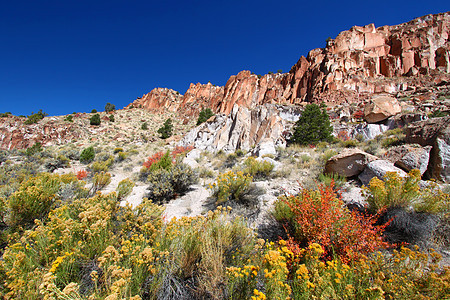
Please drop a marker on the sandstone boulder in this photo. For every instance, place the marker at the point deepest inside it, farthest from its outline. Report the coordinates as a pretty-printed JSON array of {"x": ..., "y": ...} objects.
[
  {"x": 408, "y": 157},
  {"x": 378, "y": 168},
  {"x": 381, "y": 108},
  {"x": 348, "y": 163},
  {"x": 435, "y": 133}
]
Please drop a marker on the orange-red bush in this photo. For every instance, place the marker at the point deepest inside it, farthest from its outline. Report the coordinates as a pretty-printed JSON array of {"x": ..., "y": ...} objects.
[
  {"x": 153, "y": 159},
  {"x": 82, "y": 174},
  {"x": 321, "y": 217}
]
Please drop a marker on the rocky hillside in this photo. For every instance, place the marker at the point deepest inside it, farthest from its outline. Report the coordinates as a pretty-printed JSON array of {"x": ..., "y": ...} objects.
[{"x": 356, "y": 64}]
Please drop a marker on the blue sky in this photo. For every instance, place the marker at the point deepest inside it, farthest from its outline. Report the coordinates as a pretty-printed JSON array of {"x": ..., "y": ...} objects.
[{"x": 69, "y": 56}]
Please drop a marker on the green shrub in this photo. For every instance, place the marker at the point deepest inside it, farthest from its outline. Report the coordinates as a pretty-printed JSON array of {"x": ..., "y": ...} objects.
[
  {"x": 327, "y": 179},
  {"x": 166, "y": 184},
  {"x": 94, "y": 111},
  {"x": 69, "y": 118},
  {"x": 144, "y": 126},
  {"x": 204, "y": 115},
  {"x": 60, "y": 161},
  {"x": 124, "y": 188},
  {"x": 397, "y": 192},
  {"x": 102, "y": 166},
  {"x": 111, "y": 118},
  {"x": 34, "y": 118},
  {"x": 87, "y": 155},
  {"x": 312, "y": 127},
  {"x": 166, "y": 130},
  {"x": 258, "y": 169},
  {"x": 99, "y": 181},
  {"x": 121, "y": 156},
  {"x": 5, "y": 114},
  {"x": 95, "y": 120},
  {"x": 37, "y": 147},
  {"x": 110, "y": 107}
]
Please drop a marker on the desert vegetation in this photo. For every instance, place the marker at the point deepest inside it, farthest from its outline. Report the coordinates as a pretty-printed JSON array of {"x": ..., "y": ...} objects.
[{"x": 271, "y": 227}]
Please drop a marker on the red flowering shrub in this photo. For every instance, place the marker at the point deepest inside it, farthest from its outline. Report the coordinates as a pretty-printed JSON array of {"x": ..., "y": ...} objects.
[
  {"x": 153, "y": 159},
  {"x": 180, "y": 150},
  {"x": 321, "y": 217},
  {"x": 82, "y": 174},
  {"x": 157, "y": 156}
]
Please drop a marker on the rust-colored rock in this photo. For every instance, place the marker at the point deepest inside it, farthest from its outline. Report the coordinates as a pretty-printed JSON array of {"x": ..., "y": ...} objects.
[
  {"x": 362, "y": 61},
  {"x": 381, "y": 108}
]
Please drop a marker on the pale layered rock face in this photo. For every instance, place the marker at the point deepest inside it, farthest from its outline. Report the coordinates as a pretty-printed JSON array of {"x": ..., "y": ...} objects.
[
  {"x": 359, "y": 62},
  {"x": 242, "y": 129}
]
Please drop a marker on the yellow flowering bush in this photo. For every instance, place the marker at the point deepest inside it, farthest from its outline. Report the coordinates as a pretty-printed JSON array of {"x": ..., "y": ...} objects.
[
  {"x": 396, "y": 191},
  {"x": 231, "y": 186}
]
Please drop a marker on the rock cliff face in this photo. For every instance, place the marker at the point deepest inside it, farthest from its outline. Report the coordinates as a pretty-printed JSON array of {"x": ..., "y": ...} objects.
[
  {"x": 357, "y": 63},
  {"x": 242, "y": 128},
  {"x": 15, "y": 135}
]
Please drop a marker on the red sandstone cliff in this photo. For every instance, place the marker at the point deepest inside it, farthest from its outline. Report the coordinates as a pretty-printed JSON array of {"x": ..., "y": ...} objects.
[{"x": 357, "y": 63}]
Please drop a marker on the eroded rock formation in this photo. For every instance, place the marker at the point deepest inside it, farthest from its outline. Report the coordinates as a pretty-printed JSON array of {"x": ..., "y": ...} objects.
[{"x": 356, "y": 64}]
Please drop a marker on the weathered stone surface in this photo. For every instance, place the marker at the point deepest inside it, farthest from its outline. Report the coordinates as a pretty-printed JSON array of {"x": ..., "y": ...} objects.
[
  {"x": 381, "y": 108},
  {"x": 265, "y": 147},
  {"x": 15, "y": 135},
  {"x": 378, "y": 168},
  {"x": 408, "y": 157},
  {"x": 369, "y": 131},
  {"x": 159, "y": 99},
  {"x": 348, "y": 163},
  {"x": 356, "y": 64},
  {"x": 241, "y": 129},
  {"x": 436, "y": 133}
]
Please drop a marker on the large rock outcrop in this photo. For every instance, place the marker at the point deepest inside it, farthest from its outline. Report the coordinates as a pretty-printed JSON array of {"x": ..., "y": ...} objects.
[
  {"x": 348, "y": 163},
  {"x": 243, "y": 128},
  {"x": 15, "y": 135},
  {"x": 356, "y": 64},
  {"x": 380, "y": 108},
  {"x": 436, "y": 133}
]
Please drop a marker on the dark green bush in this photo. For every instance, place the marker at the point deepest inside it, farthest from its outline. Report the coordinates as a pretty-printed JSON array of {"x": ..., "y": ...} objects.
[
  {"x": 166, "y": 130},
  {"x": 204, "y": 115},
  {"x": 5, "y": 114},
  {"x": 87, "y": 155},
  {"x": 95, "y": 120},
  {"x": 93, "y": 111},
  {"x": 110, "y": 107},
  {"x": 35, "y": 117},
  {"x": 37, "y": 147},
  {"x": 312, "y": 127},
  {"x": 111, "y": 118},
  {"x": 144, "y": 126},
  {"x": 69, "y": 118},
  {"x": 166, "y": 184}
]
